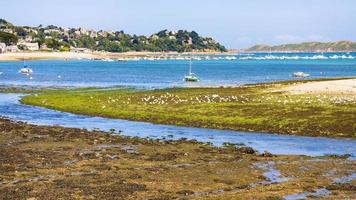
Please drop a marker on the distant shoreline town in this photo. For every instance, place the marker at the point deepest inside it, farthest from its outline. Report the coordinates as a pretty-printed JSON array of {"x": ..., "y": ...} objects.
[
  {"x": 59, "y": 42},
  {"x": 53, "y": 38}
]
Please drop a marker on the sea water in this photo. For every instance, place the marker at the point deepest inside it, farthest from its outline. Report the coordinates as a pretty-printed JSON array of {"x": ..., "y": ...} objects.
[{"x": 213, "y": 70}]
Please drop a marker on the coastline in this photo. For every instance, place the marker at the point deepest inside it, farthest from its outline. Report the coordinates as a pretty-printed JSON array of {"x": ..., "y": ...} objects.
[
  {"x": 38, "y": 55},
  {"x": 43, "y": 55}
]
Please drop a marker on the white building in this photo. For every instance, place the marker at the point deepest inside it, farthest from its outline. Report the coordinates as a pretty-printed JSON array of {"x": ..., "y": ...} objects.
[
  {"x": 49, "y": 31},
  {"x": 32, "y": 46},
  {"x": 28, "y": 38},
  {"x": 2, "y": 47},
  {"x": 79, "y": 50},
  {"x": 7, "y": 30},
  {"x": 12, "y": 48}
]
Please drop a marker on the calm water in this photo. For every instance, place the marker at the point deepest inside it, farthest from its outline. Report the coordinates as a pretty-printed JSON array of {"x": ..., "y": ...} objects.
[
  {"x": 247, "y": 68},
  {"x": 277, "y": 144},
  {"x": 219, "y": 70}
]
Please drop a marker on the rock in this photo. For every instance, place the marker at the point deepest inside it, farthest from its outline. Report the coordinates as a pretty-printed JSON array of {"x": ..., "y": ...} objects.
[
  {"x": 247, "y": 150},
  {"x": 185, "y": 192},
  {"x": 267, "y": 154}
]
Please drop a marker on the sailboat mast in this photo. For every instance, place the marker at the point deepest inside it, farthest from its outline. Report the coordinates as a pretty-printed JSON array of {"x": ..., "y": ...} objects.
[{"x": 190, "y": 65}]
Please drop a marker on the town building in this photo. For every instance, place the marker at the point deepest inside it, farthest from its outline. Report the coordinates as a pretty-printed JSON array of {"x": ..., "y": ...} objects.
[
  {"x": 7, "y": 30},
  {"x": 32, "y": 46},
  {"x": 12, "y": 48},
  {"x": 79, "y": 50},
  {"x": 2, "y": 47}
]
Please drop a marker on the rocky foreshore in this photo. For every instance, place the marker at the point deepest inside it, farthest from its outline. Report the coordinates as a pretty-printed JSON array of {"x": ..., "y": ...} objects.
[{"x": 41, "y": 162}]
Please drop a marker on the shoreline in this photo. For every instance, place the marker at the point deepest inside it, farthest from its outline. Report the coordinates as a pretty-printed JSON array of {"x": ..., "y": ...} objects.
[
  {"x": 38, "y": 55},
  {"x": 19, "y": 56}
]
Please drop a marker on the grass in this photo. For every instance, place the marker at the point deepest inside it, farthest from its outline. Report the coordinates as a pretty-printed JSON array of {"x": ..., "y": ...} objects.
[{"x": 249, "y": 108}]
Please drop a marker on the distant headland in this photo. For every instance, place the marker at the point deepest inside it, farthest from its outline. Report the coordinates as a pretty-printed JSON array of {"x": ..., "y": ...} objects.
[
  {"x": 340, "y": 46},
  {"x": 53, "y": 38}
]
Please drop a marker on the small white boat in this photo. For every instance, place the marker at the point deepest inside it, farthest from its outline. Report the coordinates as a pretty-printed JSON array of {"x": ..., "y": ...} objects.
[
  {"x": 300, "y": 74},
  {"x": 191, "y": 77},
  {"x": 26, "y": 70},
  {"x": 108, "y": 60}
]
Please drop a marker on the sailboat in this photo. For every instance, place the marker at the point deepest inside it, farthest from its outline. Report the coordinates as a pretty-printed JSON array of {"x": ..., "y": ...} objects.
[
  {"x": 25, "y": 69},
  {"x": 191, "y": 77}
]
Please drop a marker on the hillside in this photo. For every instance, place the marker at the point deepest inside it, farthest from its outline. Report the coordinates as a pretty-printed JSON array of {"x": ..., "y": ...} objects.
[
  {"x": 308, "y": 47},
  {"x": 61, "y": 38}
]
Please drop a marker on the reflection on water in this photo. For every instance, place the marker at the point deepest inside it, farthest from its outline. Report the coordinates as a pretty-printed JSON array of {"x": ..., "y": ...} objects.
[{"x": 277, "y": 144}]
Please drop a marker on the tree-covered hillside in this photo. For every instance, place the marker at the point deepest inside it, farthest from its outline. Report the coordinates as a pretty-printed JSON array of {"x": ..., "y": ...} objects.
[
  {"x": 308, "y": 47},
  {"x": 60, "y": 38}
]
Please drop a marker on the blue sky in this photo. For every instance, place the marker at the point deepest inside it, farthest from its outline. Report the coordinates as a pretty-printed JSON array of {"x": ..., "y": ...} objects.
[{"x": 235, "y": 23}]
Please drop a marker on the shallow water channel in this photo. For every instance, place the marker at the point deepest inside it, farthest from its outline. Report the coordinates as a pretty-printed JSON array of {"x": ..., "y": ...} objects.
[{"x": 11, "y": 108}]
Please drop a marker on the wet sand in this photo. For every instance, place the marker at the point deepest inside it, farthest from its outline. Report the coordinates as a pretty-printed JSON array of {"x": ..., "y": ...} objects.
[
  {"x": 347, "y": 86},
  {"x": 40, "y": 162}
]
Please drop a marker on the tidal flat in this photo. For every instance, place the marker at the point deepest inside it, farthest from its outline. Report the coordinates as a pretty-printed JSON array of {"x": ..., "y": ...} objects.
[
  {"x": 42, "y": 162},
  {"x": 266, "y": 107}
]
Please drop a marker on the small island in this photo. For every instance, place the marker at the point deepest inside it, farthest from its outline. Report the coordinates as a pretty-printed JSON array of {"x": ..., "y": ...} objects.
[{"x": 340, "y": 46}]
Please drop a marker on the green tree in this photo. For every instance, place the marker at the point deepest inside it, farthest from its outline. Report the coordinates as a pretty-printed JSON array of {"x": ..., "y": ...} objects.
[
  {"x": 8, "y": 38},
  {"x": 86, "y": 42},
  {"x": 53, "y": 43},
  {"x": 20, "y": 31}
]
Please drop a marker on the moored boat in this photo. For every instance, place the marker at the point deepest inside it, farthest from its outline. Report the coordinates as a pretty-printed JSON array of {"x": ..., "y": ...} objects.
[
  {"x": 191, "y": 77},
  {"x": 300, "y": 74},
  {"x": 25, "y": 69}
]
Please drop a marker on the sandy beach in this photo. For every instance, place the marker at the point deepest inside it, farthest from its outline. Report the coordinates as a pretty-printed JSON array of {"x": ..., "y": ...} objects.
[
  {"x": 43, "y": 55},
  {"x": 37, "y": 55},
  {"x": 347, "y": 86}
]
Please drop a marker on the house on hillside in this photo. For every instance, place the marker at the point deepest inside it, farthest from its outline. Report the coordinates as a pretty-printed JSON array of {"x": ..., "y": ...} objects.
[
  {"x": 2, "y": 47},
  {"x": 28, "y": 38},
  {"x": 12, "y": 48},
  {"x": 32, "y": 46},
  {"x": 49, "y": 31},
  {"x": 79, "y": 50},
  {"x": 44, "y": 47},
  {"x": 7, "y": 30}
]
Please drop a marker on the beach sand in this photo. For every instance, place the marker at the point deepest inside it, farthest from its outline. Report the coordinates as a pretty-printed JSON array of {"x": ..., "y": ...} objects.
[
  {"x": 346, "y": 86},
  {"x": 43, "y": 55},
  {"x": 38, "y": 55}
]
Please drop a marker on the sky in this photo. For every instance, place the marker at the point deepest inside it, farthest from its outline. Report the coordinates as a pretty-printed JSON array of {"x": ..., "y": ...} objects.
[{"x": 234, "y": 23}]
